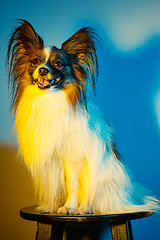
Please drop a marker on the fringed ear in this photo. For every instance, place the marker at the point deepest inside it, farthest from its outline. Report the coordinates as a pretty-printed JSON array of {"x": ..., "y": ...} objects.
[
  {"x": 81, "y": 47},
  {"x": 24, "y": 37},
  {"x": 22, "y": 44}
]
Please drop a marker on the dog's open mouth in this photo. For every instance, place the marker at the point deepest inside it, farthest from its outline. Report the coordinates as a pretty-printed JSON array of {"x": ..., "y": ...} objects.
[{"x": 46, "y": 83}]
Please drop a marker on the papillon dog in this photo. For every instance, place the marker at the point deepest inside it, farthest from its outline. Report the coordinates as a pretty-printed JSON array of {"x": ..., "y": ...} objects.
[{"x": 63, "y": 138}]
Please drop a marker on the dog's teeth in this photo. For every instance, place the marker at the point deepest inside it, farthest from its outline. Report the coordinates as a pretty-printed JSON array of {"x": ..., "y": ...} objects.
[{"x": 52, "y": 81}]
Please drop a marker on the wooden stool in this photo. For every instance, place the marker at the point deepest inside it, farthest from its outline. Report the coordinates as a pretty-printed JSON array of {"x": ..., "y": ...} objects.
[{"x": 58, "y": 227}]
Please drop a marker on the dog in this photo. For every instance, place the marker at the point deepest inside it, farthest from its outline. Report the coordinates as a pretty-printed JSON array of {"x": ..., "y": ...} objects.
[{"x": 66, "y": 144}]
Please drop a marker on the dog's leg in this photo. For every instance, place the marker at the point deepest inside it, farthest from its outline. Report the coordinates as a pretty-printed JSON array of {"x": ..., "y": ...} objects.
[
  {"x": 85, "y": 182},
  {"x": 72, "y": 183}
]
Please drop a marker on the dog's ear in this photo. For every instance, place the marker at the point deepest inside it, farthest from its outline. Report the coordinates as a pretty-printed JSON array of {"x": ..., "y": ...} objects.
[
  {"x": 22, "y": 44},
  {"x": 81, "y": 47},
  {"x": 81, "y": 41},
  {"x": 24, "y": 38}
]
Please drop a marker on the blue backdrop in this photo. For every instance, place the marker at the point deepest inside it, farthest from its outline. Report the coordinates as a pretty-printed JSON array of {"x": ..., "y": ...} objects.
[{"x": 128, "y": 89}]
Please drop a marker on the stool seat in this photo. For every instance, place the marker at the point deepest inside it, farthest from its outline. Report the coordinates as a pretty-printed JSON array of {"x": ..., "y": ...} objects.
[{"x": 52, "y": 226}]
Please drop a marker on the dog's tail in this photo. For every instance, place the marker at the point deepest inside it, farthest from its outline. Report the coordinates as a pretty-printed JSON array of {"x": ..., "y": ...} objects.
[{"x": 118, "y": 193}]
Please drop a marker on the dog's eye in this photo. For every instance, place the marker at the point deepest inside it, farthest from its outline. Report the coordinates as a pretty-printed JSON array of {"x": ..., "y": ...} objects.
[
  {"x": 35, "y": 61},
  {"x": 59, "y": 64}
]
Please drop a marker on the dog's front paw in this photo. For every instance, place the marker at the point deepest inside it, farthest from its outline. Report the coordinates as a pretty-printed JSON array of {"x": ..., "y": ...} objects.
[{"x": 67, "y": 210}]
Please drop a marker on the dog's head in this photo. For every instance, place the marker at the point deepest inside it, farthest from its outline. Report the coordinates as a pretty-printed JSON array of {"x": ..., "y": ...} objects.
[{"x": 71, "y": 68}]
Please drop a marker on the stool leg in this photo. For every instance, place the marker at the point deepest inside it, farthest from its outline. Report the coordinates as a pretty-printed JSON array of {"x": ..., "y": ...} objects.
[
  {"x": 43, "y": 231},
  {"x": 49, "y": 232},
  {"x": 121, "y": 230}
]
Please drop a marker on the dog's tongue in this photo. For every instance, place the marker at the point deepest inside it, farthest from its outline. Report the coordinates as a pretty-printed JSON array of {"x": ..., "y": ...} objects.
[{"x": 43, "y": 83}]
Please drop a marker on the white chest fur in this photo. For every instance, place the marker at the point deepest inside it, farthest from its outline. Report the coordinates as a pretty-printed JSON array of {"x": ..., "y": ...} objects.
[{"x": 41, "y": 119}]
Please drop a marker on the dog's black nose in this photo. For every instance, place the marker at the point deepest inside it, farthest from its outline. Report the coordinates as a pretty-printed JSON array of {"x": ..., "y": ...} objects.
[{"x": 43, "y": 71}]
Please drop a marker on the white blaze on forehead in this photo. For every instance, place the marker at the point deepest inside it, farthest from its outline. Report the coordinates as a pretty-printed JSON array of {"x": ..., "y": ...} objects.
[{"x": 47, "y": 52}]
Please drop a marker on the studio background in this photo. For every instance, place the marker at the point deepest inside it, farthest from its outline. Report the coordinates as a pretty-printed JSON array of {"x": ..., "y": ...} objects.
[{"x": 128, "y": 93}]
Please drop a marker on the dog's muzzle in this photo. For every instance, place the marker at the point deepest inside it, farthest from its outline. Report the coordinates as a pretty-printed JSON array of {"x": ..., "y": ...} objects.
[{"x": 43, "y": 81}]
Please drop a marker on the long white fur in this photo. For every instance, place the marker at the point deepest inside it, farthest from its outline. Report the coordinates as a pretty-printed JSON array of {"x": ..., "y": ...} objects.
[{"x": 55, "y": 138}]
